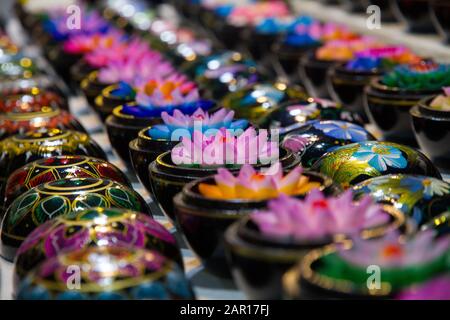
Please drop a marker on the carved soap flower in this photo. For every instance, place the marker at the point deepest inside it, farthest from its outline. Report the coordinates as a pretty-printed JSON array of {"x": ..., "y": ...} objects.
[
  {"x": 84, "y": 43},
  {"x": 317, "y": 217},
  {"x": 425, "y": 75},
  {"x": 382, "y": 58},
  {"x": 250, "y": 184},
  {"x": 442, "y": 102},
  {"x": 136, "y": 69},
  {"x": 199, "y": 120},
  {"x": 224, "y": 148},
  {"x": 133, "y": 50},
  {"x": 392, "y": 252},
  {"x": 171, "y": 92},
  {"x": 252, "y": 13},
  {"x": 435, "y": 289},
  {"x": 344, "y": 50}
]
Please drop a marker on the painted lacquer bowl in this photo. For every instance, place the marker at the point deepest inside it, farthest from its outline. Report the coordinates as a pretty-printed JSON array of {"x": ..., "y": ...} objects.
[
  {"x": 59, "y": 167},
  {"x": 28, "y": 117},
  {"x": 294, "y": 114},
  {"x": 20, "y": 149},
  {"x": 255, "y": 101},
  {"x": 52, "y": 199},
  {"x": 96, "y": 227},
  {"x": 357, "y": 162},
  {"x": 315, "y": 138},
  {"x": 107, "y": 273},
  {"x": 420, "y": 198},
  {"x": 28, "y": 95},
  {"x": 107, "y": 98}
]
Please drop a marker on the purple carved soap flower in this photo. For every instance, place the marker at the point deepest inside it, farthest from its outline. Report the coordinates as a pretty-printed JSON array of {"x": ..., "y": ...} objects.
[
  {"x": 391, "y": 251},
  {"x": 435, "y": 289},
  {"x": 199, "y": 120},
  {"x": 317, "y": 217}
]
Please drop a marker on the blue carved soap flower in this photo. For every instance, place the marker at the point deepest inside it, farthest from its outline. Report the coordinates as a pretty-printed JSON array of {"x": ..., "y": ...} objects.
[
  {"x": 381, "y": 157},
  {"x": 364, "y": 64},
  {"x": 342, "y": 130},
  {"x": 271, "y": 26},
  {"x": 199, "y": 120}
]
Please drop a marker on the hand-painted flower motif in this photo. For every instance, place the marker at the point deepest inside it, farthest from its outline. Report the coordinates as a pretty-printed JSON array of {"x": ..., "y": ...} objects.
[
  {"x": 295, "y": 143},
  {"x": 342, "y": 130},
  {"x": 225, "y": 149},
  {"x": 381, "y": 157},
  {"x": 199, "y": 120},
  {"x": 252, "y": 185},
  {"x": 391, "y": 251},
  {"x": 435, "y": 289},
  {"x": 170, "y": 92},
  {"x": 317, "y": 217}
]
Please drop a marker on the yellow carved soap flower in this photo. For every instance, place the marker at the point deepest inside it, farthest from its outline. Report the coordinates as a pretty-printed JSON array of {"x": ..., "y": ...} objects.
[{"x": 252, "y": 185}]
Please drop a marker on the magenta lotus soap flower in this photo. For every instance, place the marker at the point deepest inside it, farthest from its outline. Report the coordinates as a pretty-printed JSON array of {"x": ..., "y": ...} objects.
[
  {"x": 391, "y": 252},
  {"x": 435, "y": 289},
  {"x": 224, "y": 148},
  {"x": 317, "y": 217}
]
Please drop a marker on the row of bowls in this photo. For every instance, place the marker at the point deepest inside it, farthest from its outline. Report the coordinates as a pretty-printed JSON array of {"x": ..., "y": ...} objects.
[{"x": 204, "y": 227}]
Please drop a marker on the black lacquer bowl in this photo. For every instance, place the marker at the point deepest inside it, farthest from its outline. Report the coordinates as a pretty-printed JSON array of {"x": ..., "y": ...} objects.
[
  {"x": 168, "y": 179},
  {"x": 347, "y": 86},
  {"x": 259, "y": 261},
  {"x": 314, "y": 74},
  {"x": 388, "y": 109},
  {"x": 432, "y": 130},
  {"x": 106, "y": 98},
  {"x": 203, "y": 221}
]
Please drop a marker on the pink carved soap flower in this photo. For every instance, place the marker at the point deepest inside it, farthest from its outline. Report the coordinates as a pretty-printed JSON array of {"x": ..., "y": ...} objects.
[
  {"x": 83, "y": 43},
  {"x": 317, "y": 217},
  {"x": 435, "y": 289},
  {"x": 391, "y": 251},
  {"x": 132, "y": 50},
  {"x": 172, "y": 91},
  {"x": 224, "y": 148},
  {"x": 136, "y": 69},
  {"x": 250, "y": 184},
  {"x": 442, "y": 102}
]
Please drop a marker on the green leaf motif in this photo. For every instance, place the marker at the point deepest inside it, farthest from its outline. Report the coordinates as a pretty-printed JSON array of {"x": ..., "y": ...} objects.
[
  {"x": 21, "y": 207},
  {"x": 89, "y": 200},
  {"x": 51, "y": 207},
  {"x": 123, "y": 199}
]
